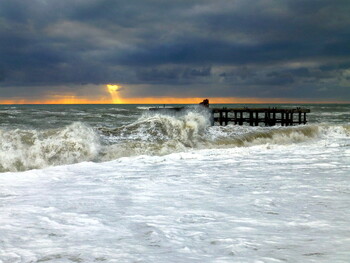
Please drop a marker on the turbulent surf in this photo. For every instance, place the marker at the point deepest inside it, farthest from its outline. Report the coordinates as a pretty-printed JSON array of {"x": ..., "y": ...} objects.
[
  {"x": 117, "y": 183},
  {"x": 147, "y": 134}
]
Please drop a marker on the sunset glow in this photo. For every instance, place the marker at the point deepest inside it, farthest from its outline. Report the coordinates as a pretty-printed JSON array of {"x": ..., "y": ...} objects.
[
  {"x": 117, "y": 94},
  {"x": 58, "y": 99},
  {"x": 155, "y": 100}
]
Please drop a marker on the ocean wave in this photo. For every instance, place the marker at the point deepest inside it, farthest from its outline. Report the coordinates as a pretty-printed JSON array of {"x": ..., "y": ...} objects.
[
  {"x": 250, "y": 136},
  {"x": 158, "y": 134},
  {"x": 29, "y": 149},
  {"x": 143, "y": 107},
  {"x": 161, "y": 134},
  {"x": 334, "y": 131},
  {"x": 151, "y": 134},
  {"x": 150, "y": 106}
]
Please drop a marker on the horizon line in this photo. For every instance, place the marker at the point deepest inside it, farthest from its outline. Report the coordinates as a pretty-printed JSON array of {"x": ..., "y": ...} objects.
[
  {"x": 118, "y": 100},
  {"x": 221, "y": 103}
]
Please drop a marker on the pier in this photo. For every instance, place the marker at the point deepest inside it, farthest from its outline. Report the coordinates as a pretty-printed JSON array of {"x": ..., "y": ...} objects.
[
  {"x": 251, "y": 116},
  {"x": 257, "y": 116}
]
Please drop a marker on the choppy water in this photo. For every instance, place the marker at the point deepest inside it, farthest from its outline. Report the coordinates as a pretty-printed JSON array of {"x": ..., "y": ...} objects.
[
  {"x": 42, "y": 136},
  {"x": 115, "y": 183}
]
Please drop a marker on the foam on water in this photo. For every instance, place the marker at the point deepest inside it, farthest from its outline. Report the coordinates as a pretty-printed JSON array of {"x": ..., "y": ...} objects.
[
  {"x": 151, "y": 134},
  {"x": 243, "y": 204},
  {"x": 175, "y": 189},
  {"x": 28, "y": 149}
]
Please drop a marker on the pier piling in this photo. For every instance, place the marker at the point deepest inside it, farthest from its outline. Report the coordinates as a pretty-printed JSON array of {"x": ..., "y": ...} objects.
[{"x": 257, "y": 116}]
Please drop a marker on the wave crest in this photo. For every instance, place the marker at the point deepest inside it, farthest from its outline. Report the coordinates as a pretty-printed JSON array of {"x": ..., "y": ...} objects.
[
  {"x": 158, "y": 134},
  {"x": 29, "y": 149}
]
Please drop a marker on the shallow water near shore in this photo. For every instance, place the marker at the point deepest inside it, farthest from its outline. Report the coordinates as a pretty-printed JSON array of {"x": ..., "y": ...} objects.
[{"x": 107, "y": 183}]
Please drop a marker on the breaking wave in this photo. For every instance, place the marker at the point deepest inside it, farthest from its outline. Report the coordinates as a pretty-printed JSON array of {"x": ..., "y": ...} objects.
[
  {"x": 151, "y": 134},
  {"x": 28, "y": 149}
]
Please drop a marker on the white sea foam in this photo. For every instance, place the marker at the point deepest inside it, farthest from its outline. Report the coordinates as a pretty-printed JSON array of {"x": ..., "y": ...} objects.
[
  {"x": 148, "y": 107},
  {"x": 28, "y": 149},
  {"x": 144, "y": 107},
  {"x": 175, "y": 190},
  {"x": 243, "y": 204}
]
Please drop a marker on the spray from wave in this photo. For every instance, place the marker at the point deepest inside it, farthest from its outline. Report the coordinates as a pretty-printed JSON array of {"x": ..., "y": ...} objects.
[
  {"x": 29, "y": 149},
  {"x": 158, "y": 134},
  {"x": 151, "y": 134}
]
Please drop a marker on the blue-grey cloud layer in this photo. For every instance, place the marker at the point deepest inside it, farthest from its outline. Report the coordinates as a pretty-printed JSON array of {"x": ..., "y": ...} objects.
[{"x": 273, "y": 48}]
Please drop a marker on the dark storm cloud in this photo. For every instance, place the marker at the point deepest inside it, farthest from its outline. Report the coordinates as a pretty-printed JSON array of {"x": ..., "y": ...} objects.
[
  {"x": 271, "y": 48},
  {"x": 207, "y": 51},
  {"x": 173, "y": 74}
]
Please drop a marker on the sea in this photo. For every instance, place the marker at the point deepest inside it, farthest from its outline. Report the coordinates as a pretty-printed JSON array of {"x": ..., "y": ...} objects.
[{"x": 120, "y": 183}]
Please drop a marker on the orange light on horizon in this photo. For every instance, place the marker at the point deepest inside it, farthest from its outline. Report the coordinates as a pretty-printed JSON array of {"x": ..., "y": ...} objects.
[
  {"x": 217, "y": 100},
  {"x": 58, "y": 99},
  {"x": 116, "y": 94},
  {"x": 111, "y": 94},
  {"x": 72, "y": 99}
]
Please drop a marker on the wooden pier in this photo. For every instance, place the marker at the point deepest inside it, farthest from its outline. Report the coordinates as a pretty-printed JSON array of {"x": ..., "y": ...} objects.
[
  {"x": 257, "y": 116},
  {"x": 250, "y": 116}
]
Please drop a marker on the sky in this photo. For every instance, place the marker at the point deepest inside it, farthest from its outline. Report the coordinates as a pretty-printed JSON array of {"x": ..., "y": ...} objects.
[{"x": 119, "y": 51}]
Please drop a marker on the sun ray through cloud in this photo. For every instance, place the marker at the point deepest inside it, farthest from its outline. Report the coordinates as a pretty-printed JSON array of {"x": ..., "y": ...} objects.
[{"x": 114, "y": 91}]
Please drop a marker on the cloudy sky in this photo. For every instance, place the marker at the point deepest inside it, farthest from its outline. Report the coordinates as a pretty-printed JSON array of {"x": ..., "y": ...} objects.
[{"x": 296, "y": 50}]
